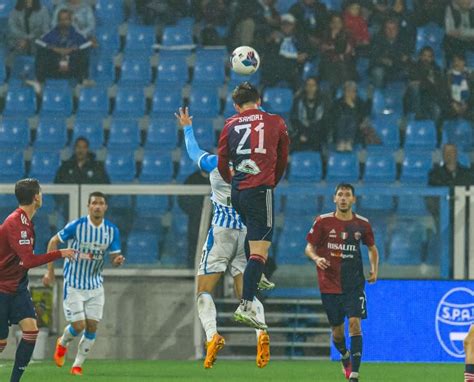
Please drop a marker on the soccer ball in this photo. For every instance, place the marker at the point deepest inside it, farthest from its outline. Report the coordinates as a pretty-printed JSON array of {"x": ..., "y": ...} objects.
[{"x": 244, "y": 60}]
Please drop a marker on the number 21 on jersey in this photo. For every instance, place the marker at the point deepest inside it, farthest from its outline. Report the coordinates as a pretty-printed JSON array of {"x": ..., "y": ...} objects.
[{"x": 247, "y": 128}]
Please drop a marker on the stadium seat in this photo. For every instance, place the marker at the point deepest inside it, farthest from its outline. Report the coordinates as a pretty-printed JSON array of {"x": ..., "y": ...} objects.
[
  {"x": 470, "y": 59},
  {"x": 388, "y": 101},
  {"x": 411, "y": 205},
  {"x": 458, "y": 132},
  {"x": 129, "y": 102},
  {"x": 12, "y": 166},
  {"x": 20, "y": 101},
  {"x": 431, "y": 35},
  {"x": 208, "y": 72},
  {"x": 186, "y": 167},
  {"x": 142, "y": 248},
  {"x": 416, "y": 166},
  {"x": 277, "y": 100},
  {"x": 342, "y": 167},
  {"x": 51, "y": 133},
  {"x": 380, "y": 168},
  {"x": 291, "y": 249},
  {"x": 162, "y": 134},
  {"x": 420, "y": 134},
  {"x": 375, "y": 204},
  {"x": 175, "y": 254},
  {"x": 156, "y": 168},
  {"x": 229, "y": 109},
  {"x": 213, "y": 54},
  {"x": 152, "y": 206},
  {"x": 236, "y": 79},
  {"x": 14, "y": 133},
  {"x": 166, "y": 100},
  {"x": 108, "y": 39},
  {"x": 140, "y": 38},
  {"x": 204, "y": 101},
  {"x": 464, "y": 159},
  {"x": 135, "y": 70},
  {"x": 109, "y": 12},
  {"x": 173, "y": 71},
  {"x": 305, "y": 166},
  {"x": 333, "y": 5},
  {"x": 102, "y": 69},
  {"x": 283, "y": 6},
  {"x": 362, "y": 67},
  {"x": 91, "y": 129},
  {"x": 3, "y": 71},
  {"x": 204, "y": 133},
  {"x": 311, "y": 69},
  {"x": 177, "y": 36},
  {"x": 387, "y": 129},
  {"x": 301, "y": 205},
  {"x": 406, "y": 242},
  {"x": 56, "y": 101},
  {"x": 124, "y": 132},
  {"x": 23, "y": 68},
  {"x": 44, "y": 164},
  {"x": 120, "y": 166},
  {"x": 93, "y": 101}
]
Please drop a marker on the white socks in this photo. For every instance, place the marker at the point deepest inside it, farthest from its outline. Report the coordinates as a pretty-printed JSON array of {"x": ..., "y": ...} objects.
[
  {"x": 85, "y": 345},
  {"x": 68, "y": 336},
  {"x": 259, "y": 312},
  {"x": 207, "y": 314}
]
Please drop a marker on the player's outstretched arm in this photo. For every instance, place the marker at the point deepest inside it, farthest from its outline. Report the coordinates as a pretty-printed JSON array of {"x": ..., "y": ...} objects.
[
  {"x": 48, "y": 278},
  {"x": 374, "y": 264}
]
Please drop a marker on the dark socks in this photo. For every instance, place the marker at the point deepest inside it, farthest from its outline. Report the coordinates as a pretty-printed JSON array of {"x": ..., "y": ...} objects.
[
  {"x": 252, "y": 274},
  {"x": 356, "y": 352},
  {"x": 342, "y": 348},
  {"x": 470, "y": 368},
  {"x": 22, "y": 358}
]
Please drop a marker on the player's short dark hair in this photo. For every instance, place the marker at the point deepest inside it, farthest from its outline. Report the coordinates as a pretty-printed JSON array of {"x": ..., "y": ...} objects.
[
  {"x": 26, "y": 189},
  {"x": 81, "y": 139},
  {"x": 344, "y": 185},
  {"x": 97, "y": 194},
  {"x": 245, "y": 93}
]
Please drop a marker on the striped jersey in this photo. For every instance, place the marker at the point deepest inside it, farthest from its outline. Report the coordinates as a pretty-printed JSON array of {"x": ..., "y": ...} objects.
[{"x": 93, "y": 243}]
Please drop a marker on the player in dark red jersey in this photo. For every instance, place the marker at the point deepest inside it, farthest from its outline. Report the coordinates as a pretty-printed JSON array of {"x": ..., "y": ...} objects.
[
  {"x": 256, "y": 143},
  {"x": 16, "y": 257},
  {"x": 334, "y": 245}
]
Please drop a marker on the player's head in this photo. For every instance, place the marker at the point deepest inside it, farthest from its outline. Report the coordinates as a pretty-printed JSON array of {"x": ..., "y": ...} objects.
[
  {"x": 97, "y": 204},
  {"x": 344, "y": 197},
  {"x": 245, "y": 95},
  {"x": 81, "y": 148},
  {"x": 28, "y": 192}
]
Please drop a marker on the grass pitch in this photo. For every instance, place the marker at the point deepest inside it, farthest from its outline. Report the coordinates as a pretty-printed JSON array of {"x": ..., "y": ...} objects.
[{"x": 228, "y": 371}]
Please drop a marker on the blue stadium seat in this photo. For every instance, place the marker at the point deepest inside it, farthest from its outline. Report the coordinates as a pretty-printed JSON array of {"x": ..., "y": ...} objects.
[
  {"x": 214, "y": 54},
  {"x": 333, "y": 5},
  {"x": 6, "y": 6},
  {"x": 411, "y": 205},
  {"x": 177, "y": 36},
  {"x": 464, "y": 159},
  {"x": 387, "y": 101},
  {"x": 166, "y": 100},
  {"x": 51, "y": 133},
  {"x": 57, "y": 101},
  {"x": 208, "y": 72},
  {"x": 236, "y": 79},
  {"x": 458, "y": 132},
  {"x": 91, "y": 129},
  {"x": 12, "y": 166},
  {"x": 305, "y": 166},
  {"x": 277, "y": 100},
  {"x": 416, "y": 166},
  {"x": 362, "y": 67},
  {"x": 380, "y": 168},
  {"x": 405, "y": 246},
  {"x": 204, "y": 101},
  {"x": 14, "y": 133},
  {"x": 421, "y": 134},
  {"x": 108, "y": 39},
  {"x": 284, "y": 5},
  {"x": 387, "y": 129},
  {"x": 429, "y": 35},
  {"x": 20, "y": 101},
  {"x": 130, "y": 102},
  {"x": 142, "y": 248},
  {"x": 298, "y": 206},
  {"x": 124, "y": 132},
  {"x": 44, "y": 164},
  {"x": 93, "y": 101},
  {"x": 186, "y": 167},
  {"x": 23, "y": 68},
  {"x": 140, "y": 38},
  {"x": 204, "y": 133},
  {"x": 3, "y": 71},
  {"x": 152, "y": 206},
  {"x": 311, "y": 69},
  {"x": 376, "y": 203},
  {"x": 291, "y": 249},
  {"x": 162, "y": 134},
  {"x": 173, "y": 70},
  {"x": 156, "y": 168},
  {"x": 120, "y": 166},
  {"x": 102, "y": 69},
  {"x": 342, "y": 167},
  {"x": 109, "y": 12},
  {"x": 135, "y": 70},
  {"x": 229, "y": 109}
]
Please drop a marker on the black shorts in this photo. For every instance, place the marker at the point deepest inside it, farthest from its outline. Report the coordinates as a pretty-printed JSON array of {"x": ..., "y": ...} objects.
[
  {"x": 255, "y": 207},
  {"x": 13, "y": 309},
  {"x": 340, "y": 306}
]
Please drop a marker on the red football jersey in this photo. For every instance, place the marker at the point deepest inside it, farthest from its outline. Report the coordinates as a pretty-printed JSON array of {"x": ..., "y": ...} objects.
[
  {"x": 17, "y": 237},
  {"x": 256, "y": 143},
  {"x": 339, "y": 242}
]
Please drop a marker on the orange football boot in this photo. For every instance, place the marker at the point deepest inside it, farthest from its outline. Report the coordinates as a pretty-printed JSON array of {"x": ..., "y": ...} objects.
[
  {"x": 76, "y": 370},
  {"x": 60, "y": 353},
  {"x": 213, "y": 347},
  {"x": 263, "y": 349}
]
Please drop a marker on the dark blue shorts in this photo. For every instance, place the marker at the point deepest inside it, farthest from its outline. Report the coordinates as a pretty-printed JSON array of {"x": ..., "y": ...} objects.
[
  {"x": 13, "y": 309},
  {"x": 255, "y": 207},
  {"x": 340, "y": 306}
]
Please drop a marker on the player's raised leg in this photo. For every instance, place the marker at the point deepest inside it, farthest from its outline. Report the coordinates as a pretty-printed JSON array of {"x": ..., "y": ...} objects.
[
  {"x": 469, "y": 351},
  {"x": 339, "y": 342},
  {"x": 356, "y": 347},
  {"x": 25, "y": 348}
]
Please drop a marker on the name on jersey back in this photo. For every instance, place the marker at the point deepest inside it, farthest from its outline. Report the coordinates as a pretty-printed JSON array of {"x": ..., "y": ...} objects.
[{"x": 251, "y": 118}]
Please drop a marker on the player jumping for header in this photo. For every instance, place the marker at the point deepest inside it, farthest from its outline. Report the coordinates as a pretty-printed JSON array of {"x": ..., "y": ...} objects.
[
  {"x": 224, "y": 249},
  {"x": 334, "y": 245},
  {"x": 256, "y": 143},
  {"x": 17, "y": 238}
]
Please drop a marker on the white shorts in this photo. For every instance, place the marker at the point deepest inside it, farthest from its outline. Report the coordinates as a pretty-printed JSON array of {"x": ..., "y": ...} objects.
[
  {"x": 80, "y": 304},
  {"x": 224, "y": 249}
]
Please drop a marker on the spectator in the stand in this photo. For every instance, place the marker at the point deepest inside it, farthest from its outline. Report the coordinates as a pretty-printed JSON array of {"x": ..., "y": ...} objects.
[
  {"x": 211, "y": 14},
  {"x": 26, "y": 22},
  {"x": 83, "y": 18},
  {"x": 398, "y": 11},
  {"x": 161, "y": 12},
  {"x": 429, "y": 11},
  {"x": 311, "y": 16},
  {"x": 356, "y": 26},
  {"x": 192, "y": 206},
  {"x": 82, "y": 167},
  {"x": 309, "y": 114},
  {"x": 337, "y": 54},
  {"x": 63, "y": 52},
  {"x": 285, "y": 56},
  {"x": 460, "y": 88},
  {"x": 450, "y": 173},
  {"x": 349, "y": 117},
  {"x": 459, "y": 25},
  {"x": 379, "y": 10},
  {"x": 426, "y": 93},
  {"x": 389, "y": 55}
]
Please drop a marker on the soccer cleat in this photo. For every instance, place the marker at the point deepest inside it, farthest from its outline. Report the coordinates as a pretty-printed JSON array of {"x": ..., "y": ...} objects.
[
  {"x": 346, "y": 367},
  {"x": 248, "y": 317},
  {"x": 354, "y": 380},
  {"x": 263, "y": 350},
  {"x": 213, "y": 347},
  {"x": 265, "y": 284},
  {"x": 76, "y": 370},
  {"x": 59, "y": 353}
]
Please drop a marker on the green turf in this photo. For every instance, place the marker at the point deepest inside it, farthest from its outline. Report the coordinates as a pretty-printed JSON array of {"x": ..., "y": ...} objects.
[{"x": 242, "y": 371}]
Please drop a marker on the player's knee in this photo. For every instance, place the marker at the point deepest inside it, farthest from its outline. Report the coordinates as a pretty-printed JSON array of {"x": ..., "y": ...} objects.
[
  {"x": 3, "y": 345},
  {"x": 30, "y": 336},
  {"x": 468, "y": 342},
  {"x": 91, "y": 327},
  {"x": 354, "y": 328},
  {"x": 79, "y": 326}
]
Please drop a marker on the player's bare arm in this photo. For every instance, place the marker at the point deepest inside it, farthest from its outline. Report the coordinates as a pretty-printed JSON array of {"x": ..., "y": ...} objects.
[
  {"x": 48, "y": 278},
  {"x": 117, "y": 259},
  {"x": 321, "y": 262},
  {"x": 374, "y": 264}
]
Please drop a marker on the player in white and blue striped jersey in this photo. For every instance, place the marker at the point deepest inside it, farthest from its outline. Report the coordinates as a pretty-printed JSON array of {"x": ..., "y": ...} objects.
[
  {"x": 94, "y": 237},
  {"x": 224, "y": 250}
]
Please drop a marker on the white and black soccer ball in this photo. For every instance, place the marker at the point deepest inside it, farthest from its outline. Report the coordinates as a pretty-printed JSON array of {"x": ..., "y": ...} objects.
[{"x": 244, "y": 60}]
